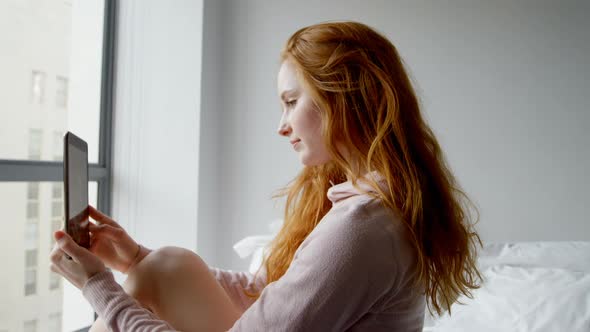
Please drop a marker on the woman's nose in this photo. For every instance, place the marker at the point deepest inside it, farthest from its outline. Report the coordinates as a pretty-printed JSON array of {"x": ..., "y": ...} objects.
[{"x": 284, "y": 129}]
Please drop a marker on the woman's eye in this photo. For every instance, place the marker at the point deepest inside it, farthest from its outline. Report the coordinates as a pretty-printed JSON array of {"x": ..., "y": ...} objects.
[{"x": 291, "y": 103}]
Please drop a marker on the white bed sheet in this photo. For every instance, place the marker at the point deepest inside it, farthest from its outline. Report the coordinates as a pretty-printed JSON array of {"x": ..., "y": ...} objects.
[{"x": 528, "y": 286}]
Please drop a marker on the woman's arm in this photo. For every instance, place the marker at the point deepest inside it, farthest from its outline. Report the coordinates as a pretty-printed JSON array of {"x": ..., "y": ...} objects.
[
  {"x": 119, "y": 310},
  {"x": 234, "y": 283}
]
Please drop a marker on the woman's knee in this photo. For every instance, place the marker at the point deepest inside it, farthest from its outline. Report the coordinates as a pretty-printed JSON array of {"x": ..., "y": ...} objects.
[
  {"x": 172, "y": 259},
  {"x": 177, "y": 286},
  {"x": 160, "y": 269}
]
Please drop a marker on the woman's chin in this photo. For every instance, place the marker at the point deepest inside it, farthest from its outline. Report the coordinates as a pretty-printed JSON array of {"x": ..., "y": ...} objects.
[{"x": 307, "y": 161}]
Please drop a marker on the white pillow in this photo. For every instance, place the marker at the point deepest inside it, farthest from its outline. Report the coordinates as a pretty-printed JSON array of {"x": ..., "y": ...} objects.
[
  {"x": 254, "y": 245},
  {"x": 571, "y": 255}
]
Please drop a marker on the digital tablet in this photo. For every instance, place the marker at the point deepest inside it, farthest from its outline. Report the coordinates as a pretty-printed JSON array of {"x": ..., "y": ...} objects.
[{"x": 76, "y": 189}]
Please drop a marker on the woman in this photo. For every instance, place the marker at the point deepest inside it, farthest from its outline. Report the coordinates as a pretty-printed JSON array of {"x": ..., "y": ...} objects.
[{"x": 375, "y": 225}]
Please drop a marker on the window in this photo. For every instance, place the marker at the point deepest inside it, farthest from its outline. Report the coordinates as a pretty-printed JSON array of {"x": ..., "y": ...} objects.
[
  {"x": 56, "y": 208},
  {"x": 31, "y": 235},
  {"x": 37, "y": 87},
  {"x": 63, "y": 84},
  {"x": 61, "y": 93},
  {"x": 54, "y": 322},
  {"x": 31, "y": 271},
  {"x": 33, "y": 190},
  {"x": 32, "y": 216},
  {"x": 30, "y": 281},
  {"x": 56, "y": 224},
  {"x": 31, "y": 258},
  {"x": 62, "y": 67},
  {"x": 56, "y": 192},
  {"x": 35, "y": 141},
  {"x": 30, "y": 326},
  {"x": 54, "y": 280},
  {"x": 32, "y": 210},
  {"x": 58, "y": 147}
]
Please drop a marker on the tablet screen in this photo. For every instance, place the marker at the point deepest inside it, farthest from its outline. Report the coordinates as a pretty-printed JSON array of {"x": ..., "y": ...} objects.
[{"x": 76, "y": 186}]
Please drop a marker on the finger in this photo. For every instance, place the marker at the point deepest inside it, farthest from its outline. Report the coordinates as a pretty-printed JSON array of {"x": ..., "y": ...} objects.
[
  {"x": 56, "y": 255},
  {"x": 93, "y": 227},
  {"x": 69, "y": 247},
  {"x": 93, "y": 246},
  {"x": 97, "y": 241},
  {"x": 109, "y": 232},
  {"x": 101, "y": 217}
]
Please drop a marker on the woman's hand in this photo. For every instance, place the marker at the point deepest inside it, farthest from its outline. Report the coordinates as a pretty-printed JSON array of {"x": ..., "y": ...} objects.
[
  {"x": 82, "y": 265},
  {"x": 111, "y": 243}
]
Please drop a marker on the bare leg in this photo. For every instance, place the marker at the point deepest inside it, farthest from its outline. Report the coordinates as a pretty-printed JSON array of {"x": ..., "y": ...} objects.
[{"x": 176, "y": 285}]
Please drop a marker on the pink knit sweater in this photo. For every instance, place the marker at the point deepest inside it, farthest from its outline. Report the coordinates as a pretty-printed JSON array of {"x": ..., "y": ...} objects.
[{"x": 352, "y": 273}]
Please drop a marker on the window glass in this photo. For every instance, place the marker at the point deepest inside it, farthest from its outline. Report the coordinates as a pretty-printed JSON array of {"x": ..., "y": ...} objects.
[
  {"x": 34, "y": 292},
  {"x": 51, "y": 65}
]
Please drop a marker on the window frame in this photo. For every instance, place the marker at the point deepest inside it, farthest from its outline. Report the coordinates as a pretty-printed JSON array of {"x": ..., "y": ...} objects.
[{"x": 40, "y": 171}]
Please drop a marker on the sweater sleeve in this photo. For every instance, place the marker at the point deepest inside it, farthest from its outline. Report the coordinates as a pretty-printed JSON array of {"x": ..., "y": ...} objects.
[
  {"x": 336, "y": 277},
  {"x": 119, "y": 310},
  {"x": 234, "y": 283}
]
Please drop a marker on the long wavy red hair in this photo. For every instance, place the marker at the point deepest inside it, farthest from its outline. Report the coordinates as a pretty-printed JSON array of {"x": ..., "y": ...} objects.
[{"x": 358, "y": 81}]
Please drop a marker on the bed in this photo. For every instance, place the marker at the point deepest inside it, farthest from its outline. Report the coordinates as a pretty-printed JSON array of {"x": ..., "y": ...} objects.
[{"x": 528, "y": 287}]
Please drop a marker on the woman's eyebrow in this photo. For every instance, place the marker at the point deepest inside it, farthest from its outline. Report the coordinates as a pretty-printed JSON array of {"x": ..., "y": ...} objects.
[{"x": 286, "y": 92}]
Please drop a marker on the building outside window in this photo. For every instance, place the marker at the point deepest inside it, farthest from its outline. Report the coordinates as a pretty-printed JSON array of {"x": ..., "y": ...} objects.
[{"x": 52, "y": 54}]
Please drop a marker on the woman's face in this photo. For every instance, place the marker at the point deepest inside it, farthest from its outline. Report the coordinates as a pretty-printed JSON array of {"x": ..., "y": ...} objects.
[{"x": 300, "y": 120}]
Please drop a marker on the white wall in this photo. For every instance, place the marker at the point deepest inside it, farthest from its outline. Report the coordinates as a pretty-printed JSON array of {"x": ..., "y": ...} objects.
[
  {"x": 504, "y": 85},
  {"x": 156, "y": 121}
]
